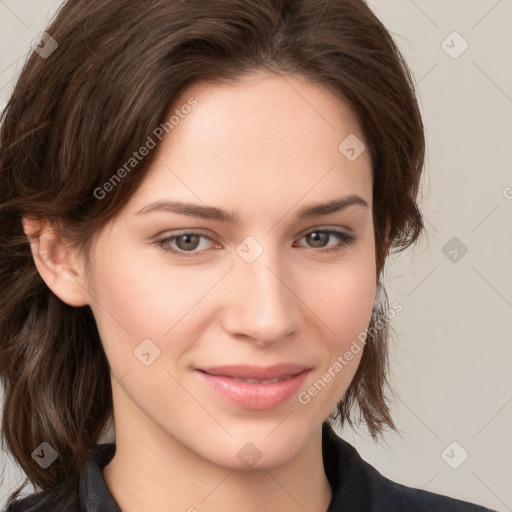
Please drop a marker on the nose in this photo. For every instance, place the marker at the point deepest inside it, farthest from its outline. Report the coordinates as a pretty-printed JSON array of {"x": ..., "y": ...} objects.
[{"x": 261, "y": 303}]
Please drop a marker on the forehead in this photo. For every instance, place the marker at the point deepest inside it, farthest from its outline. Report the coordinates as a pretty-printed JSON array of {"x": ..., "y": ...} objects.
[{"x": 262, "y": 136}]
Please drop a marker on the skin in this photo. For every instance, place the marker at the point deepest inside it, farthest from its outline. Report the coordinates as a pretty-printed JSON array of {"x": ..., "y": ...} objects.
[{"x": 264, "y": 148}]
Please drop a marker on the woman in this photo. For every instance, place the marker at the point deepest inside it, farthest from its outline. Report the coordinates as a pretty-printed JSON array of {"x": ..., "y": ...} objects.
[{"x": 283, "y": 142}]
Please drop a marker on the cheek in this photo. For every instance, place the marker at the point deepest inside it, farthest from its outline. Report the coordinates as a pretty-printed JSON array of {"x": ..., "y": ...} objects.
[
  {"x": 350, "y": 309},
  {"x": 343, "y": 297},
  {"x": 343, "y": 301},
  {"x": 346, "y": 310},
  {"x": 124, "y": 307},
  {"x": 350, "y": 306},
  {"x": 135, "y": 302}
]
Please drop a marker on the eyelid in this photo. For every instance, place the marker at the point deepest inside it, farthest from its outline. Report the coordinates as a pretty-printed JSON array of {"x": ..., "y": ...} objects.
[
  {"x": 205, "y": 233},
  {"x": 345, "y": 236}
]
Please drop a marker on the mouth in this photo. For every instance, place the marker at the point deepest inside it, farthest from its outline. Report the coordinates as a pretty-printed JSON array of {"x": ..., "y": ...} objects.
[
  {"x": 254, "y": 387},
  {"x": 257, "y": 373},
  {"x": 263, "y": 381}
]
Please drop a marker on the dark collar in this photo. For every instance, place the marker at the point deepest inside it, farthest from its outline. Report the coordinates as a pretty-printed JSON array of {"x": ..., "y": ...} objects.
[{"x": 95, "y": 496}]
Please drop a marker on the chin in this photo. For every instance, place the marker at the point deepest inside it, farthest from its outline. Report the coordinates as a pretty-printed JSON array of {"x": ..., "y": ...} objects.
[{"x": 258, "y": 446}]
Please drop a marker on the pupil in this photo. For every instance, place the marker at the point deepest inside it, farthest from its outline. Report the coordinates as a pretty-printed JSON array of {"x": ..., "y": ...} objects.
[
  {"x": 187, "y": 241},
  {"x": 317, "y": 237}
]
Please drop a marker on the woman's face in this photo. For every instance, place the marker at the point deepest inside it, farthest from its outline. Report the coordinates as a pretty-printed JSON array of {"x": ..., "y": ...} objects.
[{"x": 267, "y": 289}]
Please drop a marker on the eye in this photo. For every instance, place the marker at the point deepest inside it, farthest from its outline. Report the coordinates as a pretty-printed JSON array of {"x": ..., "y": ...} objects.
[
  {"x": 319, "y": 236},
  {"x": 188, "y": 242}
]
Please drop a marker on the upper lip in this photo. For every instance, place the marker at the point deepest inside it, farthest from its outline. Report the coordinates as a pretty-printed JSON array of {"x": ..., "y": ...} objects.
[{"x": 256, "y": 372}]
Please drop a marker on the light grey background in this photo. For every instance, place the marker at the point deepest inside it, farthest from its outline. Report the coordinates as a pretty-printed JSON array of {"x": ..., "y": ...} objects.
[{"x": 452, "y": 352}]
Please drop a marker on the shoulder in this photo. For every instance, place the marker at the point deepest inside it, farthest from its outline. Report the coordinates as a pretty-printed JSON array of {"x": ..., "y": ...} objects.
[
  {"x": 37, "y": 502},
  {"x": 42, "y": 502},
  {"x": 398, "y": 497},
  {"x": 359, "y": 487},
  {"x": 62, "y": 498},
  {"x": 80, "y": 496}
]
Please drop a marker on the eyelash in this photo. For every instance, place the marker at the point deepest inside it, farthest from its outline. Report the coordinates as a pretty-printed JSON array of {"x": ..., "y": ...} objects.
[{"x": 345, "y": 238}]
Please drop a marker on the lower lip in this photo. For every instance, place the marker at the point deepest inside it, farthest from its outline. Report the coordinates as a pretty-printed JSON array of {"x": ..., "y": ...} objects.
[{"x": 254, "y": 396}]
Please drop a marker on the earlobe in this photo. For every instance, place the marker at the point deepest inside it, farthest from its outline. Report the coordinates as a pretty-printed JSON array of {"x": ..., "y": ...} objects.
[{"x": 60, "y": 268}]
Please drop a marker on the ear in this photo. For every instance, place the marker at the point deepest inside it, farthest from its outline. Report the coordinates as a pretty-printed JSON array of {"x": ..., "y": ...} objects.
[{"x": 60, "y": 268}]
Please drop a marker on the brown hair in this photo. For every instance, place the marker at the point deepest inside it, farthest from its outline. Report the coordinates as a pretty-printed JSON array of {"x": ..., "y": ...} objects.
[{"x": 79, "y": 114}]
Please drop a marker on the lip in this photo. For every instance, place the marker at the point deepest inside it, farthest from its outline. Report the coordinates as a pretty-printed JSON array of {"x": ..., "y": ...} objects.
[
  {"x": 254, "y": 396},
  {"x": 241, "y": 371}
]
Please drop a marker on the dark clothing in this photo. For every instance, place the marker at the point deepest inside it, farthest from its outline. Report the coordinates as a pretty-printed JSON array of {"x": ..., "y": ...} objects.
[{"x": 356, "y": 486}]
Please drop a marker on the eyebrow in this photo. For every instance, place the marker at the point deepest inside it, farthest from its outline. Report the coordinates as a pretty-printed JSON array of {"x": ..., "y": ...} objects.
[{"x": 214, "y": 213}]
